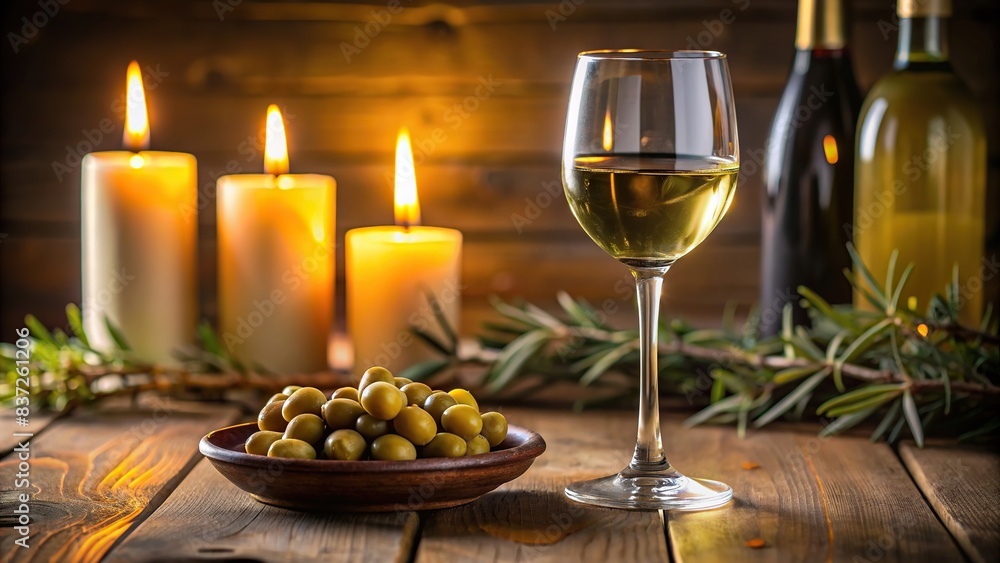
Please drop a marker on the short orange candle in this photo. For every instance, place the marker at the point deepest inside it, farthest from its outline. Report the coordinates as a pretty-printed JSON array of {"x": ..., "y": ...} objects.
[{"x": 391, "y": 272}]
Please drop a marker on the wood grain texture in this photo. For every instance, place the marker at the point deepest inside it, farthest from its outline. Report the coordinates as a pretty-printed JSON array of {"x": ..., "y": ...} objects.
[
  {"x": 842, "y": 499},
  {"x": 962, "y": 484},
  {"x": 530, "y": 519},
  {"x": 96, "y": 473},
  {"x": 208, "y": 517},
  {"x": 476, "y": 172},
  {"x": 38, "y": 421},
  {"x": 811, "y": 499}
]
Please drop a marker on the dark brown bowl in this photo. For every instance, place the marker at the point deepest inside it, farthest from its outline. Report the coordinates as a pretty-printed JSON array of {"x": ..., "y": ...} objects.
[{"x": 368, "y": 486}]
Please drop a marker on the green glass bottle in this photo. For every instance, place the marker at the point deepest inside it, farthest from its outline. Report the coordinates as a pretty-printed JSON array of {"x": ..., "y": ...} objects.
[{"x": 920, "y": 180}]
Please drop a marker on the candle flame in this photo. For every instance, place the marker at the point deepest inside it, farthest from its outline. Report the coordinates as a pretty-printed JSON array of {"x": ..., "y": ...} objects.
[
  {"x": 923, "y": 330},
  {"x": 275, "y": 143},
  {"x": 608, "y": 139},
  {"x": 830, "y": 149},
  {"x": 136, "y": 135},
  {"x": 407, "y": 206}
]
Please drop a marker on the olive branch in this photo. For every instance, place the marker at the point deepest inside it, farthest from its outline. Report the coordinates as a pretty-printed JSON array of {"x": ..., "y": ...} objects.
[{"x": 918, "y": 371}]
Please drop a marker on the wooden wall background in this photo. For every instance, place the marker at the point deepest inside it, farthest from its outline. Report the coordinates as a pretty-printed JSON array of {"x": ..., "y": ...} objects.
[{"x": 219, "y": 74}]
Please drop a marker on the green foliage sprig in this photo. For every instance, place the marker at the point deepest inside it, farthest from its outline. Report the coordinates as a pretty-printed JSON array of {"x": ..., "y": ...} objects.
[
  {"x": 63, "y": 368},
  {"x": 916, "y": 371},
  {"x": 65, "y": 371}
]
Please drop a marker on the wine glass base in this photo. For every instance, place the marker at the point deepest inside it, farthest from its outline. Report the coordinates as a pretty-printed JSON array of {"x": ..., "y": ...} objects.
[{"x": 651, "y": 490}]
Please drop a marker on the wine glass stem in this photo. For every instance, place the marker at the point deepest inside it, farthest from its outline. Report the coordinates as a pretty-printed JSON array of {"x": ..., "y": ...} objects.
[{"x": 648, "y": 454}]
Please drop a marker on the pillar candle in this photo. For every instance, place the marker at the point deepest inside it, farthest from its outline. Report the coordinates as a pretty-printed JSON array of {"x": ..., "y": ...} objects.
[
  {"x": 276, "y": 262},
  {"x": 391, "y": 272},
  {"x": 139, "y": 241}
]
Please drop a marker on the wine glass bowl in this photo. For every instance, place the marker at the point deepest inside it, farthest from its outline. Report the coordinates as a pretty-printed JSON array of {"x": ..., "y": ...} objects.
[{"x": 649, "y": 167}]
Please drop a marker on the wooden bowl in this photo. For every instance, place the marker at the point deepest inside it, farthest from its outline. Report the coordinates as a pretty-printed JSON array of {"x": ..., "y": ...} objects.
[{"x": 368, "y": 486}]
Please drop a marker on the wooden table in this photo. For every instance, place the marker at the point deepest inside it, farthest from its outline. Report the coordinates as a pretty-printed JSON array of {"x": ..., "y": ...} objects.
[{"x": 127, "y": 484}]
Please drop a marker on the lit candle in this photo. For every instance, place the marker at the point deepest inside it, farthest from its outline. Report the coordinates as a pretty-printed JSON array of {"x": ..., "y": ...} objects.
[
  {"x": 391, "y": 271},
  {"x": 139, "y": 234},
  {"x": 276, "y": 262}
]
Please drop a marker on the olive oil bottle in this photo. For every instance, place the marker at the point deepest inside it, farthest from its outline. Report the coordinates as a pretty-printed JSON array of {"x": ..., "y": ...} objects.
[{"x": 920, "y": 183}]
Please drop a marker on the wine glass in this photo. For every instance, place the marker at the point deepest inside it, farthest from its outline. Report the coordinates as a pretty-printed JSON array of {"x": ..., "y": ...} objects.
[{"x": 649, "y": 167}]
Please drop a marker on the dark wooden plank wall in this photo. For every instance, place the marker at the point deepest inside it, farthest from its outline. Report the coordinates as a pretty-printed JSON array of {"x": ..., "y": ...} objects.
[{"x": 218, "y": 74}]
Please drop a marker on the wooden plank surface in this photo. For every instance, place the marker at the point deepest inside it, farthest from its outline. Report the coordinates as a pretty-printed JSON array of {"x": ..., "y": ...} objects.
[
  {"x": 810, "y": 499},
  {"x": 38, "y": 421},
  {"x": 96, "y": 473},
  {"x": 531, "y": 519},
  {"x": 208, "y": 517},
  {"x": 962, "y": 485}
]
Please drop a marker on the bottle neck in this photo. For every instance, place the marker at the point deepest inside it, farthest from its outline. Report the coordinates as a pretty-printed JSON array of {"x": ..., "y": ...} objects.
[
  {"x": 921, "y": 40},
  {"x": 820, "y": 25}
]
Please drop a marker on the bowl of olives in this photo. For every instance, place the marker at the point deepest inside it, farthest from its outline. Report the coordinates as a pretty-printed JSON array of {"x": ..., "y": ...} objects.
[{"x": 388, "y": 444}]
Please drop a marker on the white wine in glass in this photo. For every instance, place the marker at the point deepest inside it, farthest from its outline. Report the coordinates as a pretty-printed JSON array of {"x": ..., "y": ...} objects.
[{"x": 650, "y": 162}]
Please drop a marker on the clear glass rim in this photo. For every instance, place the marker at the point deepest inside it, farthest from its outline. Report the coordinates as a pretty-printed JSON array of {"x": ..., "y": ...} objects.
[{"x": 651, "y": 54}]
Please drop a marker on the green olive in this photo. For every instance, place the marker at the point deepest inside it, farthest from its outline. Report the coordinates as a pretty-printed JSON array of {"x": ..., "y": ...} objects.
[
  {"x": 304, "y": 400},
  {"x": 462, "y": 420},
  {"x": 401, "y": 381},
  {"x": 346, "y": 393},
  {"x": 291, "y": 448},
  {"x": 306, "y": 427},
  {"x": 259, "y": 442},
  {"x": 345, "y": 445},
  {"x": 341, "y": 413},
  {"x": 288, "y": 390},
  {"x": 371, "y": 427},
  {"x": 437, "y": 403},
  {"x": 393, "y": 447},
  {"x": 414, "y": 424},
  {"x": 464, "y": 398},
  {"x": 270, "y": 417},
  {"x": 382, "y": 400},
  {"x": 416, "y": 393},
  {"x": 477, "y": 445},
  {"x": 445, "y": 445},
  {"x": 494, "y": 428},
  {"x": 375, "y": 374},
  {"x": 276, "y": 397}
]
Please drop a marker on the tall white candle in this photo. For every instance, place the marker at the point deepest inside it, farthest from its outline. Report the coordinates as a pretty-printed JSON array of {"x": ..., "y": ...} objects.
[
  {"x": 139, "y": 241},
  {"x": 276, "y": 262}
]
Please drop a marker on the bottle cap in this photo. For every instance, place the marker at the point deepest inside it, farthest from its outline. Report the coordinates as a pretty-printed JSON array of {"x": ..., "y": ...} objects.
[
  {"x": 820, "y": 25},
  {"x": 923, "y": 8}
]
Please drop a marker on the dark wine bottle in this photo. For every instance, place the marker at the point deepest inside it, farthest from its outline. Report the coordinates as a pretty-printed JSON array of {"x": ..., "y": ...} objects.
[{"x": 809, "y": 170}]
